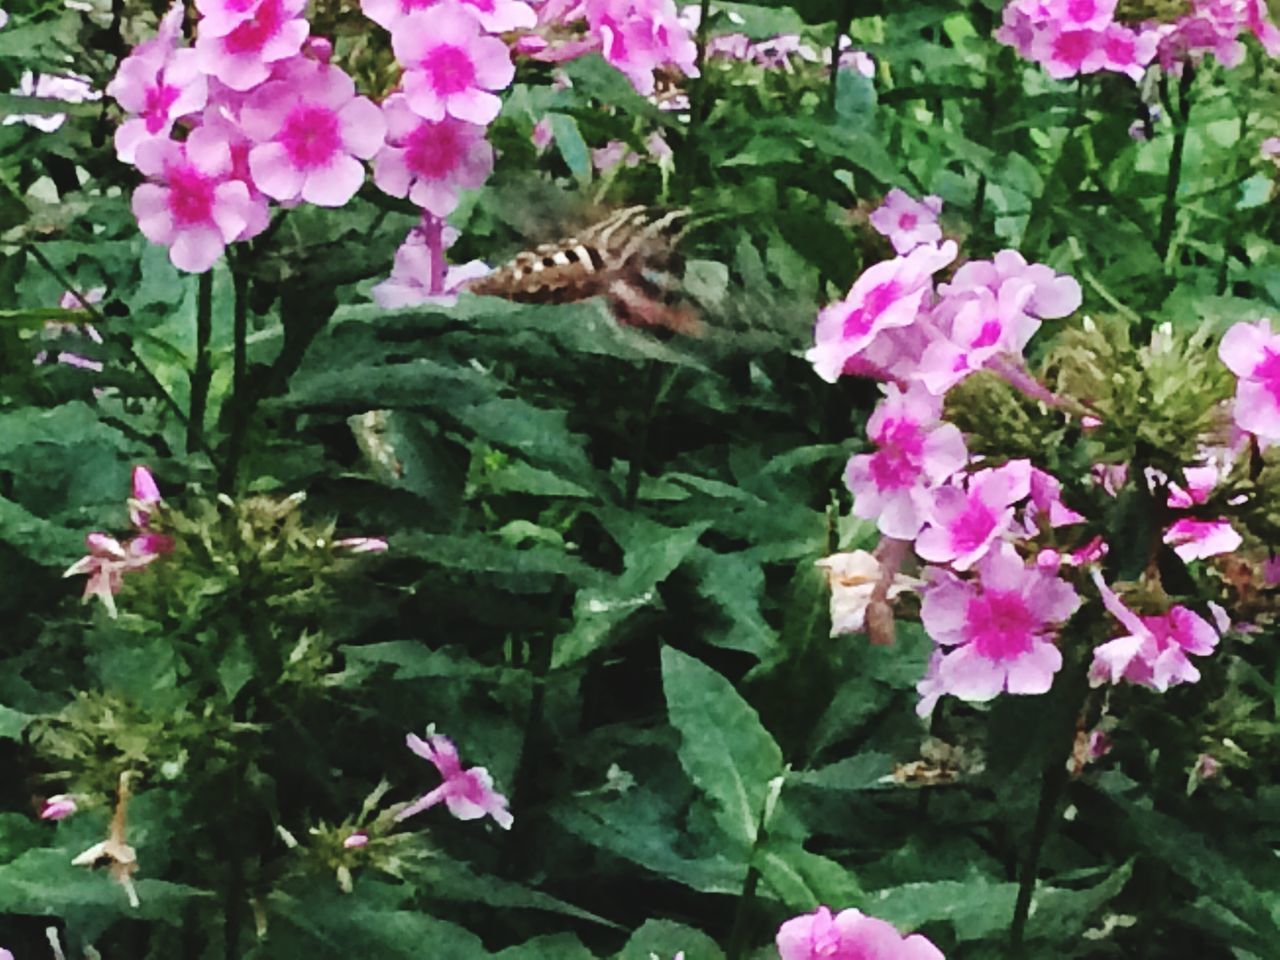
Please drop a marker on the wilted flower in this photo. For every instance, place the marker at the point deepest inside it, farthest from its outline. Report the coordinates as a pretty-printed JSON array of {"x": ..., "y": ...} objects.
[
  {"x": 853, "y": 578},
  {"x": 468, "y": 794}
]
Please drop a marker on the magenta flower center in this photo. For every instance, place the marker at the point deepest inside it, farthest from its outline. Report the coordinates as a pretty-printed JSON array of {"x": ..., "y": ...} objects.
[
  {"x": 1072, "y": 46},
  {"x": 190, "y": 196},
  {"x": 1000, "y": 625},
  {"x": 450, "y": 69},
  {"x": 252, "y": 35},
  {"x": 433, "y": 151},
  {"x": 311, "y": 135},
  {"x": 897, "y": 464},
  {"x": 970, "y": 529},
  {"x": 989, "y": 335},
  {"x": 159, "y": 100},
  {"x": 876, "y": 302},
  {"x": 1268, "y": 371},
  {"x": 907, "y": 221}
]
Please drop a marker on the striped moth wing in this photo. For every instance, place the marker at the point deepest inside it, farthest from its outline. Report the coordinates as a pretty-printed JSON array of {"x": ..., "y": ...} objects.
[{"x": 628, "y": 258}]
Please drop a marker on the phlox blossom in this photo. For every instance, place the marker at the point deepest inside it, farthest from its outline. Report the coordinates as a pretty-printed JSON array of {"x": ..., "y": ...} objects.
[
  {"x": 849, "y": 935},
  {"x": 108, "y": 561},
  {"x": 468, "y": 794},
  {"x": 886, "y": 297},
  {"x": 191, "y": 206},
  {"x": 242, "y": 57},
  {"x": 1252, "y": 352},
  {"x": 420, "y": 275},
  {"x": 638, "y": 36},
  {"x": 430, "y": 160},
  {"x": 1046, "y": 503},
  {"x": 450, "y": 68},
  {"x": 58, "y": 807},
  {"x": 356, "y": 840},
  {"x": 853, "y": 578},
  {"x": 1194, "y": 539},
  {"x": 1154, "y": 651},
  {"x": 311, "y": 137},
  {"x": 146, "y": 497},
  {"x": 964, "y": 521},
  {"x": 907, "y": 222},
  {"x": 495, "y": 16},
  {"x": 916, "y": 452},
  {"x": 999, "y": 627}
]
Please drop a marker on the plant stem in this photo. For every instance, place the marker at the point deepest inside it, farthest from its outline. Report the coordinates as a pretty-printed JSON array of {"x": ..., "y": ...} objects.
[
  {"x": 656, "y": 388},
  {"x": 203, "y": 371},
  {"x": 697, "y": 102},
  {"x": 842, "y": 30},
  {"x": 1181, "y": 119},
  {"x": 1051, "y": 784},
  {"x": 239, "y": 406},
  {"x": 741, "y": 930}
]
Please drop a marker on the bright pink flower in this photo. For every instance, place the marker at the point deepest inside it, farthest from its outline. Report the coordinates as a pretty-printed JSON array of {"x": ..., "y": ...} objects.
[
  {"x": 1000, "y": 627},
  {"x": 430, "y": 160},
  {"x": 1122, "y": 50},
  {"x": 908, "y": 222},
  {"x": 146, "y": 496},
  {"x": 1197, "y": 539},
  {"x": 450, "y": 68},
  {"x": 1154, "y": 652},
  {"x": 495, "y": 16},
  {"x": 311, "y": 137},
  {"x": 1252, "y": 353},
  {"x": 468, "y": 794},
  {"x": 849, "y": 935},
  {"x": 1080, "y": 14},
  {"x": 421, "y": 275},
  {"x": 191, "y": 205},
  {"x": 886, "y": 297},
  {"x": 639, "y": 36},
  {"x": 218, "y": 123},
  {"x": 916, "y": 453},
  {"x": 242, "y": 58},
  {"x": 963, "y": 522},
  {"x": 108, "y": 561},
  {"x": 1046, "y": 503},
  {"x": 58, "y": 807}
]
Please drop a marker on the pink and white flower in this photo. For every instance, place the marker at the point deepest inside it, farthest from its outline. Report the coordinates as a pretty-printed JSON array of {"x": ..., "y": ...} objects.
[
  {"x": 420, "y": 274},
  {"x": 68, "y": 88},
  {"x": 1000, "y": 627},
  {"x": 58, "y": 807},
  {"x": 450, "y": 68},
  {"x": 468, "y": 794},
  {"x": 242, "y": 58},
  {"x": 429, "y": 161},
  {"x": 963, "y": 522},
  {"x": 146, "y": 497},
  {"x": 108, "y": 561},
  {"x": 849, "y": 934},
  {"x": 907, "y": 222},
  {"x": 1252, "y": 352}
]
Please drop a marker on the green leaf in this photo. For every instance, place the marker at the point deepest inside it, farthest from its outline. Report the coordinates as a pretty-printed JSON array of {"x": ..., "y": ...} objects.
[
  {"x": 977, "y": 908},
  {"x": 12, "y": 723},
  {"x": 573, "y": 149},
  {"x": 559, "y": 946},
  {"x": 724, "y": 748},
  {"x": 803, "y": 880},
  {"x": 664, "y": 939}
]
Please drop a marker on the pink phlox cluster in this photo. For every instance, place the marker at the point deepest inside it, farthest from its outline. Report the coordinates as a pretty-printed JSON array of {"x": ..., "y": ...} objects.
[
  {"x": 639, "y": 36},
  {"x": 849, "y": 935},
  {"x": 430, "y": 161},
  {"x": 269, "y": 32},
  {"x": 1154, "y": 651},
  {"x": 999, "y": 628},
  {"x": 916, "y": 453},
  {"x": 1252, "y": 352},
  {"x": 420, "y": 274},
  {"x": 495, "y": 16},
  {"x": 1213, "y": 27},
  {"x": 906, "y": 222},
  {"x": 451, "y": 68},
  {"x": 157, "y": 84},
  {"x": 1072, "y": 37},
  {"x": 1193, "y": 538},
  {"x": 966, "y": 517},
  {"x": 66, "y": 87},
  {"x": 468, "y": 794}
]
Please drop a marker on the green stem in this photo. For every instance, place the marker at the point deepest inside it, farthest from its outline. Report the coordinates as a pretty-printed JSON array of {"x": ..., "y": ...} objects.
[
  {"x": 656, "y": 388},
  {"x": 741, "y": 931},
  {"x": 203, "y": 372},
  {"x": 1181, "y": 119},
  {"x": 843, "y": 23},
  {"x": 697, "y": 102},
  {"x": 239, "y": 406}
]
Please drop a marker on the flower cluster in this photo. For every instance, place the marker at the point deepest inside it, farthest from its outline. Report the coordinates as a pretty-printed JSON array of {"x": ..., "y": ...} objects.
[
  {"x": 999, "y": 545},
  {"x": 1071, "y": 37},
  {"x": 846, "y": 935},
  {"x": 109, "y": 560}
]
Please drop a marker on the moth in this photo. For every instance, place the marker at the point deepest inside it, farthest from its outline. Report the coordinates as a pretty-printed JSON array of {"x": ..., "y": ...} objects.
[{"x": 629, "y": 258}]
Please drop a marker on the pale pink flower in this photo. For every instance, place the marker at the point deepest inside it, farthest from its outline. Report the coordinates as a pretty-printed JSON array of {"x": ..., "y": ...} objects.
[
  {"x": 542, "y": 136},
  {"x": 495, "y": 16},
  {"x": 220, "y": 17},
  {"x": 420, "y": 274},
  {"x": 612, "y": 154},
  {"x": 68, "y": 88},
  {"x": 853, "y": 577},
  {"x": 468, "y": 794},
  {"x": 311, "y": 136},
  {"x": 108, "y": 561},
  {"x": 1046, "y": 504},
  {"x": 886, "y": 297},
  {"x": 1252, "y": 352},
  {"x": 242, "y": 58},
  {"x": 219, "y": 123},
  {"x": 4, "y": 19},
  {"x": 356, "y": 840},
  {"x": 1154, "y": 652},
  {"x": 1193, "y": 539},
  {"x": 1270, "y": 148},
  {"x": 58, "y": 807},
  {"x": 191, "y": 205},
  {"x": 358, "y": 545},
  {"x": 429, "y": 161},
  {"x": 908, "y": 222},
  {"x": 146, "y": 497},
  {"x": 639, "y": 36},
  {"x": 964, "y": 522},
  {"x": 1000, "y": 627},
  {"x": 931, "y": 686},
  {"x": 917, "y": 451},
  {"x": 450, "y": 68},
  {"x": 848, "y": 935}
]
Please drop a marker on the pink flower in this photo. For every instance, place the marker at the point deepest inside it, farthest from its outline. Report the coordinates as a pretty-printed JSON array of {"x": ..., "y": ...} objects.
[
  {"x": 242, "y": 57},
  {"x": 468, "y": 794},
  {"x": 906, "y": 222},
  {"x": 999, "y": 627},
  {"x": 542, "y": 137},
  {"x": 1270, "y": 148},
  {"x": 311, "y": 136},
  {"x": 191, "y": 206},
  {"x": 450, "y": 68},
  {"x": 430, "y": 160},
  {"x": 69, "y": 88},
  {"x": 108, "y": 561},
  {"x": 916, "y": 453},
  {"x": 853, "y": 578},
  {"x": 356, "y": 840},
  {"x": 158, "y": 84},
  {"x": 849, "y": 935},
  {"x": 886, "y": 297},
  {"x": 146, "y": 496},
  {"x": 495, "y": 16},
  {"x": 1252, "y": 353},
  {"x": 612, "y": 154},
  {"x": 58, "y": 807},
  {"x": 357, "y": 545},
  {"x": 1197, "y": 539},
  {"x": 639, "y": 36},
  {"x": 1046, "y": 503},
  {"x": 964, "y": 522},
  {"x": 218, "y": 122},
  {"x": 1154, "y": 652},
  {"x": 420, "y": 274}
]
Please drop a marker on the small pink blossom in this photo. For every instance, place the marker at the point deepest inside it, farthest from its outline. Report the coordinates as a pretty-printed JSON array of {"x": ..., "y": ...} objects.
[
  {"x": 58, "y": 807},
  {"x": 146, "y": 496},
  {"x": 356, "y": 840},
  {"x": 542, "y": 136},
  {"x": 999, "y": 627},
  {"x": 1270, "y": 148},
  {"x": 964, "y": 522},
  {"x": 420, "y": 274},
  {"x": 358, "y": 545},
  {"x": 108, "y": 561},
  {"x": 191, "y": 205},
  {"x": 849, "y": 935},
  {"x": 468, "y": 794},
  {"x": 613, "y": 154},
  {"x": 311, "y": 137},
  {"x": 917, "y": 451},
  {"x": 1193, "y": 539},
  {"x": 429, "y": 161},
  {"x": 639, "y": 36},
  {"x": 1046, "y": 503},
  {"x": 1154, "y": 652},
  {"x": 242, "y": 57},
  {"x": 907, "y": 222},
  {"x": 451, "y": 69},
  {"x": 1252, "y": 352}
]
